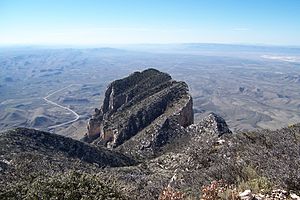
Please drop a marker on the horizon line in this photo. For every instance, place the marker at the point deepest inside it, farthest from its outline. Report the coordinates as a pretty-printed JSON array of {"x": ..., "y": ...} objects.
[{"x": 102, "y": 45}]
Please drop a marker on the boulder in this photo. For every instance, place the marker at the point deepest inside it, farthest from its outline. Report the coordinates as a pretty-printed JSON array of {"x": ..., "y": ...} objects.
[{"x": 246, "y": 195}]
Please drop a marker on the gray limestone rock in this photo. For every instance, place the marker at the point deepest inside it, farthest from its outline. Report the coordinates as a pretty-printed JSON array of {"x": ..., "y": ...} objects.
[{"x": 137, "y": 109}]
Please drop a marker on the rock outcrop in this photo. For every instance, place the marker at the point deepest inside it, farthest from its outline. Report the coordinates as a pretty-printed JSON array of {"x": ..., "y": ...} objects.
[
  {"x": 212, "y": 124},
  {"x": 137, "y": 109}
]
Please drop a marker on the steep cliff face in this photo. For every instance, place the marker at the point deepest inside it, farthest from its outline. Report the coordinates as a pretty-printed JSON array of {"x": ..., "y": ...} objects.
[
  {"x": 152, "y": 140},
  {"x": 140, "y": 104}
]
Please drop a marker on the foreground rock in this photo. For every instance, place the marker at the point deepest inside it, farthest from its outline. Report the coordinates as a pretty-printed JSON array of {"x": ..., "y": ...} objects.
[{"x": 21, "y": 143}]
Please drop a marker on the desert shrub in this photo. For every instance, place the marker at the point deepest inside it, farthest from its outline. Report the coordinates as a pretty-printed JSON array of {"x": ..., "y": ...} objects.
[
  {"x": 249, "y": 173},
  {"x": 169, "y": 193},
  {"x": 252, "y": 180},
  {"x": 72, "y": 185},
  {"x": 219, "y": 190},
  {"x": 257, "y": 185}
]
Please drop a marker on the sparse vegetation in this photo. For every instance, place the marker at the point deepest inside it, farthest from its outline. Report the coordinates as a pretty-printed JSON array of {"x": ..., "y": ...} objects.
[
  {"x": 255, "y": 182},
  {"x": 169, "y": 193},
  {"x": 70, "y": 186},
  {"x": 260, "y": 161}
]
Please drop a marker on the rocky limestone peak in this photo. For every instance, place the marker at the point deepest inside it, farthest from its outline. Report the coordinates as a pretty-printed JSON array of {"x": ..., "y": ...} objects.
[
  {"x": 144, "y": 114},
  {"x": 213, "y": 124},
  {"x": 123, "y": 90},
  {"x": 137, "y": 108}
]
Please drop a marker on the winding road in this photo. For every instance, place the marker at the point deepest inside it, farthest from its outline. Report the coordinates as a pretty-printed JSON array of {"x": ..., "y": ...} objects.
[{"x": 77, "y": 116}]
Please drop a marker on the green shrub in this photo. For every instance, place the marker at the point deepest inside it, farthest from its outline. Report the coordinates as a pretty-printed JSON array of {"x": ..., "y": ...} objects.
[
  {"x": 72, "y": 185},
  {"x": 252, "y": 180}
]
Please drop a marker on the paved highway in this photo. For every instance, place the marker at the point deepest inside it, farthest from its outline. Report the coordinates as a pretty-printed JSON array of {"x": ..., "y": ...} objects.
[{"x": 63, "y": 107}]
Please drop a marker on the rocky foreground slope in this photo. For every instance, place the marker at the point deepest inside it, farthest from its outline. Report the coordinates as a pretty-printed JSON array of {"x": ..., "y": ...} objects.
[{"x": 142, "y": 140}]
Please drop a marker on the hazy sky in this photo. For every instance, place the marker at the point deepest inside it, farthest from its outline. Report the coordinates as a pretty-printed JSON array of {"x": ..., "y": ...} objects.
[{"x": 149, "y": 21}]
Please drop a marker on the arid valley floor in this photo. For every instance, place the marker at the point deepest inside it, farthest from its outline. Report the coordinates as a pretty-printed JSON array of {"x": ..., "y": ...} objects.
[{"x": 57, "y": 89}]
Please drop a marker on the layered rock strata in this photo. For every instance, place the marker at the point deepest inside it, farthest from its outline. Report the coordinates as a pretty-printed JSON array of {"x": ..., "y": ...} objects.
[{"x": 138, "y": 108}]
